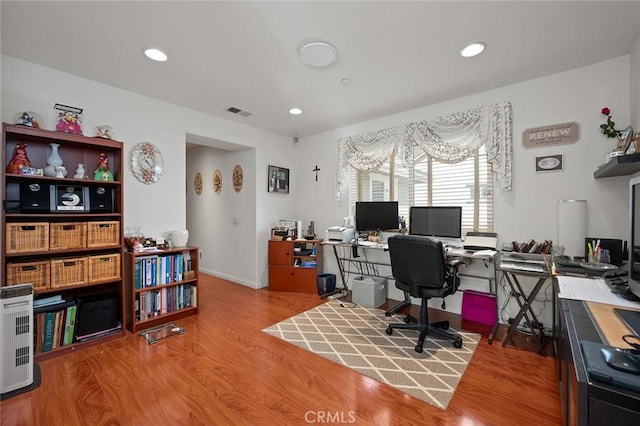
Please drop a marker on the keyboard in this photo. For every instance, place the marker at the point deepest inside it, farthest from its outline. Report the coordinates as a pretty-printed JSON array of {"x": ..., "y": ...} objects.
[
  {"x": 523, "y": 266},
  {"x": 373, "y": 244}
]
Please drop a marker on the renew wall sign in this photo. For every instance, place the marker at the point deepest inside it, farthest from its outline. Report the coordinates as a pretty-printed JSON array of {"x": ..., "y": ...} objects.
[{"x": 557, "y": 134}]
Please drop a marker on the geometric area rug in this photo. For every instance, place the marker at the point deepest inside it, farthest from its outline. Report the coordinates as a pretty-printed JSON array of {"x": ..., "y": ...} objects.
[{"x": 355, "y": 337}]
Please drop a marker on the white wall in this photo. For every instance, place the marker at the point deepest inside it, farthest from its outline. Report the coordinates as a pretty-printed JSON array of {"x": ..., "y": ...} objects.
[
  {"x": 225, "y": 223},
  {"x": 635, "y": 87},
  {"x": 530, "y": 211},
  {"x": 160, "y": 207}
]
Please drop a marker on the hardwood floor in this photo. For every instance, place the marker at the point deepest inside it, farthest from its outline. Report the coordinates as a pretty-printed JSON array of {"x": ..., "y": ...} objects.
[{"x": 225, "y": 371}]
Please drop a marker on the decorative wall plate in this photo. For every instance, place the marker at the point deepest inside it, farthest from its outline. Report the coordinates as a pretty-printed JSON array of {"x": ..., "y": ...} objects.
[
  {"x": 197, "y": 183},
  {"x": 548, "y": 163},
  {"x": 626, "y": 137},
  {"x": 238, "y": 178},
  {"x": 217, "y": 181},
  {"x": 147, "y": 163}
]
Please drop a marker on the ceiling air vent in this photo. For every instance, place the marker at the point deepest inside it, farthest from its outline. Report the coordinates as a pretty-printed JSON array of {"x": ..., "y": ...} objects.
[{"x": 238, "y": 111}]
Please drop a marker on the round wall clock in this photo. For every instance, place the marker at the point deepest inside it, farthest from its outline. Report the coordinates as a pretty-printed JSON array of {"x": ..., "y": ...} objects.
[
  {"x": 237, "y": 178},
  {"x": 197, "y": 183},
  {"x": 147, "y": 163},
  {"x": 217, "y": 181}
]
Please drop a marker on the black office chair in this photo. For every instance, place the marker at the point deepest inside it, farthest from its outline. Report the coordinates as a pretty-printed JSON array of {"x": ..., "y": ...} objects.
[{"x": 420, "y": 267}]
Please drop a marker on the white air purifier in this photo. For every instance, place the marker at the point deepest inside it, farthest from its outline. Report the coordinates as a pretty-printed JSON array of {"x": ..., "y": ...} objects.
[{"x": 16, "y": 337}]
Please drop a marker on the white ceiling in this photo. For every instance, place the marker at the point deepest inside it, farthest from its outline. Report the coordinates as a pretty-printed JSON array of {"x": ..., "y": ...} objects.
[{"x": 398, "y": 55}]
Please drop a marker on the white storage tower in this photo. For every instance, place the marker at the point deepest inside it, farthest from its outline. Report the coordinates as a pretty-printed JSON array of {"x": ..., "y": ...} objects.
[{"x": 16, "y": 337}]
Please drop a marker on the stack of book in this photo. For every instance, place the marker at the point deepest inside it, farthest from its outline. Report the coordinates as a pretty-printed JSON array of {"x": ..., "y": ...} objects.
[
  {"x": 152, "y": 271},
  {"x": 55, "y": 320}
]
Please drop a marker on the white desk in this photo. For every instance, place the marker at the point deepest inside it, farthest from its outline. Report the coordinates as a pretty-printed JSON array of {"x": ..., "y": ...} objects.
[
  {"x": 591, "y": 290},
  {"x": 364, "y": 265}
]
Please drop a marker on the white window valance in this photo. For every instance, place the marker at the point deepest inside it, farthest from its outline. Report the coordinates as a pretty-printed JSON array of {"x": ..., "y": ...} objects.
[
  {"x": 449, "y": 139},
  {"x": 366, "y": 152}
]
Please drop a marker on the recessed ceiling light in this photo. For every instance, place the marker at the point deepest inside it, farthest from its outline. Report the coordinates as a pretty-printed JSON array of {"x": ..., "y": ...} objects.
[
  {"x": 295, "y": 111},
  {"x": 155, "y": 54},
  {"x": 345, "y": 81},
  {"x": 473, "y": 49},
  {"x": 318, "y": 54}
]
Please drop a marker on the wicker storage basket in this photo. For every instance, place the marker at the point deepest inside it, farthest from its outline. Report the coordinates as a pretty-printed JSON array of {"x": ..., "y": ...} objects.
[
  {"x": 27, "y": 237},
  {"x": 104, "y": 267},
  {"x": 69, "y": 235},
  {"x": 35, "y": 273},
  {"x": 103, "y": 234},
  {"x": 69, "y": 271}
]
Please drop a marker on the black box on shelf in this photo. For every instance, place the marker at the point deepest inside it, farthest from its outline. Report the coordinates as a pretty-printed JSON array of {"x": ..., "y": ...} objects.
[
  {"x": 97, "y": 314},
  {"x": 34, "y": 197},
  {"x": 69, "y": 199},
  {"x": 100, "y": 199}
]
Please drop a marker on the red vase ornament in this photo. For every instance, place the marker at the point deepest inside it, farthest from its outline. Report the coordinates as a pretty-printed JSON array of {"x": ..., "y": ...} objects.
[{"x": 19, "y": 160}]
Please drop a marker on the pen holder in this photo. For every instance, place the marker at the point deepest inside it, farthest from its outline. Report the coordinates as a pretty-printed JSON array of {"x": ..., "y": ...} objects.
[{"x": 599, "y": 256}]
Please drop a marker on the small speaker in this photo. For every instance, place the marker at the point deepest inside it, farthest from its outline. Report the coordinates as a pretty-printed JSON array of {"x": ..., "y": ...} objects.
[
  {"x": 101, "y": 199},
  {"x": 34, "y": 198}
]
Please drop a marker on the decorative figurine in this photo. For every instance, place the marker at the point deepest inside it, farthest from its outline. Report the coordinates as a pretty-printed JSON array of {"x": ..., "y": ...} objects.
[
  {"x": 102, "y": 172},
  {"x": 68, "y": 123},
  {"x": 28, "y": 119},
  {"x": 104, "y": 132},
  {"x": 68, "y": 119},
  {"x": 19, "y": 160},
  {"x": 61, "y": 171}
]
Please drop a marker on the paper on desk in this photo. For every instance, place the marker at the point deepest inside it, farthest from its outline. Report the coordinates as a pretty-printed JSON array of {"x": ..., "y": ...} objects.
[
  {"x": 591, "y": 290},
  {"x": 484, "y": 253}
]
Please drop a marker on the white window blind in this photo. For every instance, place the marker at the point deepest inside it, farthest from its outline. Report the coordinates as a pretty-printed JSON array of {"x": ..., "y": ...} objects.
[{"x": 425, "y": 182}]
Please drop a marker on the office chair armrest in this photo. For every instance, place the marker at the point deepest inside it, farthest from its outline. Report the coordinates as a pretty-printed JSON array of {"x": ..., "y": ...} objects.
[
  {"x": 454, "y": 264},
  {"x": 452, "y": 273}
]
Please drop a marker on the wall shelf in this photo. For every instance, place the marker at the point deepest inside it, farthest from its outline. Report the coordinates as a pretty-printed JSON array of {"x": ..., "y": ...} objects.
[{"x": 622, "y": 165}]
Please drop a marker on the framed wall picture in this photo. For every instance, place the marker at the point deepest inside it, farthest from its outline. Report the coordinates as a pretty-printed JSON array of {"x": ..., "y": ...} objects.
[
  {"x": 278, "y": 179},
  {"x": 549, "y": 163}
]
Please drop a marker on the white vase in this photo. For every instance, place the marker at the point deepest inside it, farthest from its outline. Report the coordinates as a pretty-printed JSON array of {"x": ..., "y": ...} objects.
[
  {"x": 179, "y": 237},
  {"x": 53, "y": 161},
  {"x": 79, "y": 172}
]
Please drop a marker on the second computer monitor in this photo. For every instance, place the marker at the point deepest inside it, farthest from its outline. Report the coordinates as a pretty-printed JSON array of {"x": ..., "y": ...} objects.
[
  {"x": 436, "y": 221},
  {"x": 376, "y": 215}
]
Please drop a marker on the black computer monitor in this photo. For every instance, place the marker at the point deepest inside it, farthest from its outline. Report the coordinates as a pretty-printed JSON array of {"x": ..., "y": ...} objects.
[
  {"x": 376, "y": 215},
  {"x": 634, "y": 234},
  {"x": 436, "y": 221}
]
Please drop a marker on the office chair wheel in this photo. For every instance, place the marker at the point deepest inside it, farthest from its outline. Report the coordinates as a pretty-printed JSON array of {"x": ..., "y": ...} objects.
[
  {"x": 444, "y": 326},
  {"x": 389, "y": 330},
  {"x": 407, "y": 319},
  {"x": 419, "y": 349},
  {"x": 457, "y": 343}
]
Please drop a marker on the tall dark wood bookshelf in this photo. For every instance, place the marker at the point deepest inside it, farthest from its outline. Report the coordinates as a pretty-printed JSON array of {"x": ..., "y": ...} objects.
[{"x": 76, "y": 253}]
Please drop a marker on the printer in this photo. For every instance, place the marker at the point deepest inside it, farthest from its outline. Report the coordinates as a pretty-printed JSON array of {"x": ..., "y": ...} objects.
[
  {"x": 340, "y": 233},
  {"x": 480, "y": 241}
]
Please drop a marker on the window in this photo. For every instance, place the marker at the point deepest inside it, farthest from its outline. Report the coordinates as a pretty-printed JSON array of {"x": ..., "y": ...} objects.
[{"x": 426, "y": 182}]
